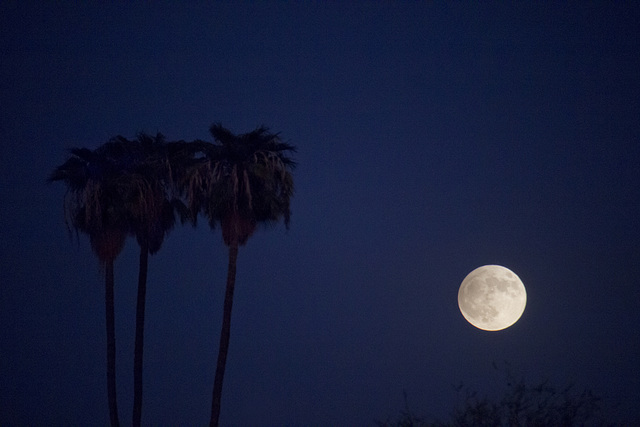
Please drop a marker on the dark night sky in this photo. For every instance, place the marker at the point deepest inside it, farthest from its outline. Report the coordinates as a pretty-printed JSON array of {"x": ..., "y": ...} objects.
[{"x": 432, "y": 138}]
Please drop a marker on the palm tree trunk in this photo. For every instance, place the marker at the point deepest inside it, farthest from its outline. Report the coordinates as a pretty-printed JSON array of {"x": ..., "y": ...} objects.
[
  {"x": 139, "y": 344},
  {"x": 111, "y": 343},
  {"x": 224, "y": 335}
]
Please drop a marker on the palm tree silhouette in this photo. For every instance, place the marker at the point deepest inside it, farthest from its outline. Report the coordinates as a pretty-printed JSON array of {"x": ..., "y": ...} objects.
[
  {"x": 151, "y": 209},
  {"x": 240, "y": 182},
  {"x": 123, "y": 187},
  {"x": 93, "y": 205}
]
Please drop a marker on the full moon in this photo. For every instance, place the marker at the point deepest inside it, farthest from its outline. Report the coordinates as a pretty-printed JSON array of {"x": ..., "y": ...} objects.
[{"x": 492, "y": 297}]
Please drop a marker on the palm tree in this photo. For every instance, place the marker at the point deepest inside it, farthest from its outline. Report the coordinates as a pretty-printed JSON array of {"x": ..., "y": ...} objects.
[
  {"x": 240, "y": 182},
  {"x": 93, "y": 205},
  {"x": 138, "y": 175},
  {"x": 151, "y": 211}
]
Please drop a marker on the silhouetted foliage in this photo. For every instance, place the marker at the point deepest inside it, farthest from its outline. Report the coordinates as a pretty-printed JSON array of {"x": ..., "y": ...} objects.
[{"x": 522, "y": 405}]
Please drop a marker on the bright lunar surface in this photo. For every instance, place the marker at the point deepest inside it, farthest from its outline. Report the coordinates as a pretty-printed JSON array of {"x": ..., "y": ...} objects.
[{"x": 492, "y": 297}]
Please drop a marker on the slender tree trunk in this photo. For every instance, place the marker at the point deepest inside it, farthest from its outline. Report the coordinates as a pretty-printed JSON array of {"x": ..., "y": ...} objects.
[
  {"x": 139, "y": 345},
  {"x": 111, "y": 344},
  {"x": 224, "y": 335}
]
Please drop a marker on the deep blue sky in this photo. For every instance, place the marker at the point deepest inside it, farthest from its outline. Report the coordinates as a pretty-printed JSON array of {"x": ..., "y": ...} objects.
[{"x": 432, "y": 138}]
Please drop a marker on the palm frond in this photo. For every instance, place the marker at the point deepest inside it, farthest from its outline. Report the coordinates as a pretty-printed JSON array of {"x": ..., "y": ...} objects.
[
  {"x": 240, "y": 180},
  {"x": 123, "y": 186}
]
